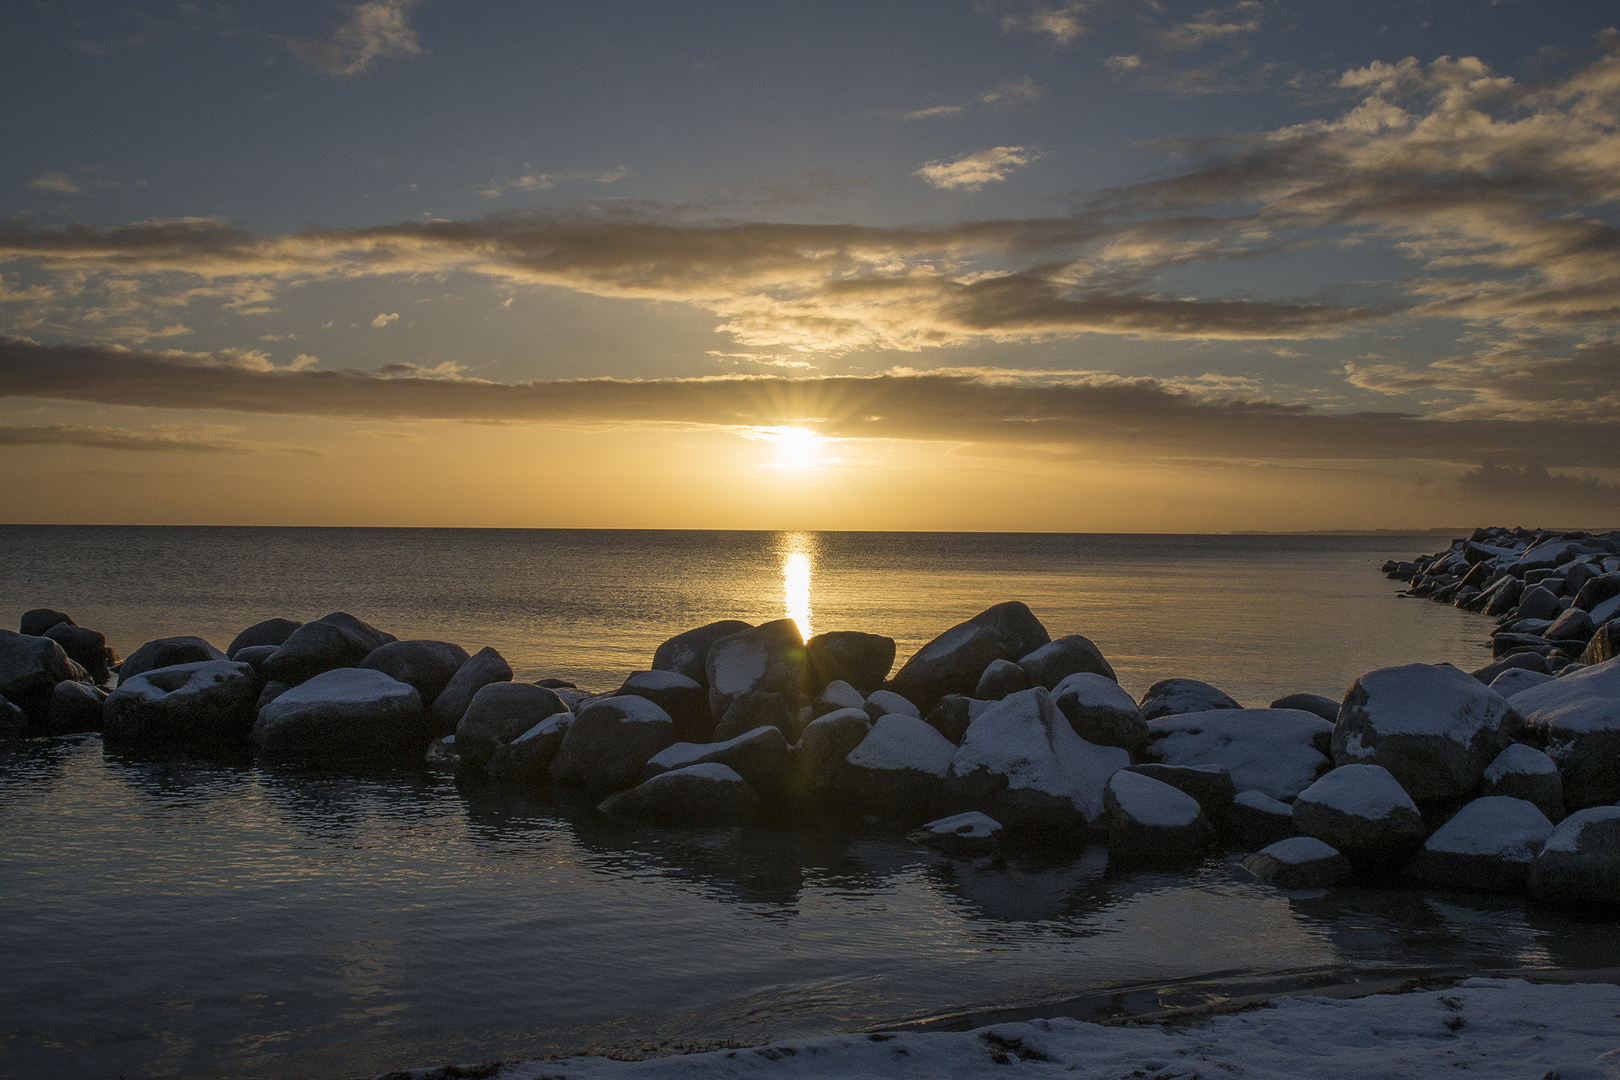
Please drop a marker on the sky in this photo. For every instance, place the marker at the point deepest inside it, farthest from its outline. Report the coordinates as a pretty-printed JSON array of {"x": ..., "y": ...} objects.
[{"x": 1032, "y": 265}]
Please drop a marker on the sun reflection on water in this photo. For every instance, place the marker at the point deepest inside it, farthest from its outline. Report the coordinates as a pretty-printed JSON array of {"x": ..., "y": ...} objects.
[{"x": 796, "y": 566}]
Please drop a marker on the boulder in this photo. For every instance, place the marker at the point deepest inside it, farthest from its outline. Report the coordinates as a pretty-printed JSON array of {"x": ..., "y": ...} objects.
[
  {"x": 498, "y": 714},
  {"x": 1177, "y": 697},
  {"x": 1022, "y": 762},
  {"x": 427, "y": 665},
  {"x": 706, "y": 794},
  {"x": 1538, "y": 602},
  {"x": 1256, "y": 819},
  {"x": 837, "y": 695},
  {"x": 344, "y": 714},
  {"x": 30, "y": 668},
  {"x": 1572, "y": 625},
  {"x": 1579, "y": 865},
  {"x": 1577, "y": 718},
  {"x": 899, "y": 769},
  {"x": 1577, "y": 574},
  {"x": 1433, "y": 727},
  {"x": 36, "y": 622},
  {"x": 167, "y": 652},
  {"x": 760, "y": 757},
  {"x": 1523, "y": 772},
  {"x": 1325, "y": 707},
  {"x": 1597, "y": 590},
  {"x": 13, "y": 722},
  {"x": 769, "y": 658},
  {"x": 1520, "y": 661},
  {"x": 1513, "y": 680},
  {"x": 861, "y": 660},
  {"x": 254, "y": 657},
  {"x": 204, "y": 704},
  {"x": 1151, "y": 822},
  {"x": 608, "y": 744},
  {"x": 75, "y": 707},
  {"x": 1055, "y": 661},
  {"x": 269, "y": 632},
  {"x": 686, "y": 701},
  {"x": 270, "y": 691},
  {"x": 338, "y": 640},
  {"x": 1605, "y": 644},
  {"x": 880, "y": 703},
  {"x": 953, "y": 662},
  {"x": 1486, "y": 847},
  {"x": 688, "y": 653},
  {"x": 1504, "y": 596},
  {"x": 85, "y": 647},
  {"x": 1605, "y": 612},
  {"x": 1276, "y": 751},
  {"x": 1299, "y": 862},
  {"x": 952, "y": 714},
  {"x": 1101, "y": 712},
  {"x": 1363, "y": 812},
  {"x": 1001, "y": 678},
  {"x": 1210, "y": 785},
  {"x": 527, "y": 759},
  {"x": 818, "y": 758},
  {"x": 757, "y": 709},
  {"x": 962, "y": 835},
  {"x": 485, "y": 667}
]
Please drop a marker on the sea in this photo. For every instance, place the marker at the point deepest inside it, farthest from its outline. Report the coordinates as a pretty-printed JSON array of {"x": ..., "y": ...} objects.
[{"x": 183, "y": 917}]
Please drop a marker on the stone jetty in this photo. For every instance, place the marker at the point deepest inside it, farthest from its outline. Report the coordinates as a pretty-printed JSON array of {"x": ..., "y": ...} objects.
[{"x": 993, "y": 737}]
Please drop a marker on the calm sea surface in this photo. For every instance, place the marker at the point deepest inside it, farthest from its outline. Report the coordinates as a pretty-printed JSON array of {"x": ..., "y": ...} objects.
[{"x": 196, "y": 919}]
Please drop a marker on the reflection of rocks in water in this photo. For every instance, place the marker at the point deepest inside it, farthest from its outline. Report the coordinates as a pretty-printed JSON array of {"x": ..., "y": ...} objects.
[
  {"x": 175, "y": 775},
  {"x": 1030, "y": 889},
  {"x": 38, "y": 764},
  {"x": 334, "y": 806},
  {"x": 1574, "y": 939}
]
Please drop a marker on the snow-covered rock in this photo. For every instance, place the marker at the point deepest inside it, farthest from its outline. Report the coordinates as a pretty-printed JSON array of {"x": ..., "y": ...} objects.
[
  {"x": 966, "y": 834},
  {"x": 1256, "y": 819},
  {"x": 1277, "y": 751},
  {"x": 499, "y": 713},
  {"x": 1605, "y": 612},
  {"x": 1486, "y": 847},
  {"x": 818, "y": 758},
  {"x": 706, "y": 794},
  {"x": 427, "y": 665},
  {"x": 836, "y": 695},
  {"x": 769, "y": 658},
  {"x": 1022, "y": 763},
  {"x": 1001, "y": 678},
  {"x": 953, "y": 662},
  {"x": 861, "y": 660},
  {"x": 527, "y": 759},
  {"x": 685, "y": 699},
  {"x": 1055, "y": 661},
  {"x": 1433, "y": 727},
  {"x": 1579, "y": 865},
  {"x": 1363, "y": 812},
  {"x": 1325, "y": 707},
  {"x": 688, "y": 653},
  {"x": 1210, "y": 785},
  {"x": 760, "y": 757},
  {"x": 1152, "y": 823},
  {"x": 166, "y": 652},
  {"x": 1513, "y": 680},
  {"x": 485, "y": 667},
  {"x": 206, "y": 704},
  {"x": 899, "y": 769},
  {"x": 608, "y": 744},
  {"x": 333, "y": 641},
  {"x": 880, "y": 703},
  {"x": 1101, "y": 712},
  {"x": 1577, "y": 717},
  {"x": 30, "y": 668},
  {"x": 344, "y": 714},
  {"x": 77, "y": 706},
  {"x": 268, "y": 632},
  {"x": 1299, "y": 862},
  {"x": 1523, "y": 772},
  {"x": 1177, "y": 697}
]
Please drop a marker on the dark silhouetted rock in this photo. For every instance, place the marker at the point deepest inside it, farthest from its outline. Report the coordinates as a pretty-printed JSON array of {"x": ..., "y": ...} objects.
[
  {"x": 1101, "y": 712},
  {"x": 952, "y": 714},
  {"x": 167, "y": 652},
  {"x": 1277, "y": 751},
  {"x": 338, "y": 640},
  {"x": 204, "y": 704},
  {"x": 1604, "y": 646},
  {"x": 1486, "y": 847},
  {"x": 1538, "y": 603},
  {"x": 1577, "y": 718},
  {"x": 527, "y": 759},
  {"x": 1001, "y": 678},
  {"x": 861, "y": 660},
  {"x": 961, "y": 835},
  {"x": 254, "y": 656},
  {"x": 30, "y": 668},
  {"x": 1572, "y": 625},
  {"x": 1151, "y": 822},
  {"x": 819, "y": 757},
  {"x": 1523, "y": 661},
  {"x": 707, "y": 794},
  {"x": 269, "y": 632},
  {"x": 688, "y": 653},
  {"x": 1523, "y": 772},
  {"x": 75, "y": 707},
  {"x": 1177, "y": 697},
  {"x": 486, "y": 666},
  {"x": 769, "y": 658},
  {"x": 953, "y": 662},
  {"x": 608, "y": 744},
  {"x": 1596, "y": 590},
  {"x": 427, "y": 665},
  {"x": 758, "y": 709},
  {"x": 1579, "y": 865},
  {"x": 1326, "y": 708},
  {"x": 1299, "y": 862},
  {"x": 36, "y": 622},
  {"x": 760, "y": 757},
  {"x": 684, "y": 699},
  {"x": 1257, "y": 820},
  {"x": 499, "y": 713},
  {"x": 85, "y": 647},
  {"x": 1055, "y": 661},
  {"x": 13, "y": 722},
  {"x": 1363, "y": 812},
  {"x": 343, "y": 715},
  {"x": 269, "y": 692}
]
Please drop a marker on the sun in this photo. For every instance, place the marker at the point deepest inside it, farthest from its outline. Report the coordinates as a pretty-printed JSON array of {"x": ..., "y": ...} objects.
[{"x": 796, "y": 448}]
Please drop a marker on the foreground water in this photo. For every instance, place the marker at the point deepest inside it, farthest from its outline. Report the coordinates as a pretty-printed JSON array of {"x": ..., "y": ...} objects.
[{"x": 186, "y": 918}]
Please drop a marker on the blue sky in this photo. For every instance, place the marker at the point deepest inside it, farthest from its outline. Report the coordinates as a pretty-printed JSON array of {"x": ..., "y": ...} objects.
[{"x": 1282, "y": 265}]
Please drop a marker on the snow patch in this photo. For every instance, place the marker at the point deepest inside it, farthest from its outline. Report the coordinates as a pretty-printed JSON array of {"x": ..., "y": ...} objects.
[
  {"x": 1297, "y": 850},
  {"x": 1364, "y": 791},
  {"x": 1567, "y": 836},
  {"x": 1153, "y": 802},
  {"x": 1511, "y": 829},
  {"x": 898, "y": 741}
]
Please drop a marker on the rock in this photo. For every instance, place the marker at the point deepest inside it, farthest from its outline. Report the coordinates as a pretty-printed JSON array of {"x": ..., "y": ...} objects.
[
  {"x": 527, "y": 759},
  {"x": 1210, "y": 785},
  {"x": 556, "y": 684},
  {"x": 498, "y": 714},
  {"x": 1605, "y": 644},
  {"x": 1487, "y": 847},
  {"x": 880, "y": 703},
  {"x": 1177, "y": 697},
  {"x": 1579, "y": 865},
  {"x": 338, "y": 640},
  {"x": 687, "y": 653},
  {"x": 1577, "y": 574},
  {"x": 204, "y": 704},
  {"x": 760, "y": 757},
  {"x": 607, "y": 747},
  {"x": 1363, "y": 812},
  {"x": 1325, "y": 707},
  {"x": 861, "y": 660},
  {"x": 1504, "y": 596},
  {"x": 13, "y": 722},
  {"x": 707, "y": 794},
  {"x": 1577, "y": 718},
  {"x": 953, "y": 662},
  {"x": 1538, "y": 603},
  {"x": 757, "y": 709},
  {"x": 899, "y": 769},
  {"x": 686, "y": 702},
  {"x": 961, "y": 835},
  {"x": 1523, "y": 772},
  {"x": 167, "y": 652},
  {"x": 268, "y": 693},
  {"x": 1572, "y": 625},
  {"x": 344, "y": 714},
  {"x": 269, "y": 632},
  {"x": 1299, "y": 862},
  {"x": 952, "y": 714},
  {"x": 1277, "y": 751},
  {"x": 254, "y": 657},
  {"x": 441, "y": 754},
  {"x": 1001, "y": 678},
  {"x": 818, "y": 759},
  {"x": 36, "y": 622},
  {"x": 1605, "y": 612},
  {"x": 30, "y": 668},
  {"x": 1513, "y": 680},
  {"x": 85, "y": 647},
  {"x": 427, "y": 665},
  {"x": 1522, "y": 661},
  {"x": 1022, "y": 762},
  {"x": 1055, "y": 661},
  {"x": 838, "y": 695},
  {"x": 769, "y": 658},
  {"x": 1101, "y": 712},
  {"x": 485, "y": 667},
  {"x": 1152, "y": 823},
  {"x": 1597, "y": 590},
  {"x": 1433, "y": 727},
  {"x": 75, "y": 707},
  {"x": 1256, "y": 819}
]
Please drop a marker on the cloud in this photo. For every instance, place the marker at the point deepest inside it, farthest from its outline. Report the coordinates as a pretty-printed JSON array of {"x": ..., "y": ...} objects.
[
  {"x": 376, "y": 29},
  {"x": 539, "y": 181},
  {"x": 1022, "y": 92},
  {"x": 159, "y": 439},
  {"x": 935, "y": 111},
  {"x": 383, "y": 320},
  {"x": 1535, "y": 481},
  {"x": 976, "y": 170},
  {"x": 1528, "y": 378},
  {"x": 1212, "y": 25},
  {"x": 1123, "y": 63},
  {"x": 1063, "y": 23},
  {"x": 60, "y": 183}
]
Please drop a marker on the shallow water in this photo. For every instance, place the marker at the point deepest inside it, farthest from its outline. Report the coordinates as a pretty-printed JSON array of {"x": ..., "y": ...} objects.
[{"x": 185, "y": 918}]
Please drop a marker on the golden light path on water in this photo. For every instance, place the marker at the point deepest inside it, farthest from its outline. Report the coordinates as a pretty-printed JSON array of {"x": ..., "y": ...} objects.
[{"x": 796, "y": 567}]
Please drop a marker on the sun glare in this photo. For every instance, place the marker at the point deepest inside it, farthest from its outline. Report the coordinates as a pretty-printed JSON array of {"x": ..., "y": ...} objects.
[
  {"x": 796, "y": 448},
  {"x": 796, "y": 567}
]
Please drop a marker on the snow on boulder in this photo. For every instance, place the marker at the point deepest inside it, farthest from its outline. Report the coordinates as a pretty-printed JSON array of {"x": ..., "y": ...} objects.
[
  {"x": 769, "y": 658},
  {"x": 1152, "y": 823},
  {"x": 1256, "y": 819},
  {"x": 499, "y": 713},
  {"x": 1513, "y": 680},
  {"x": 1001, "y": 678},
  {"x": 706, "y": 794},
  {"x": 1177, "y": 697},
  {"x": 427, "y": 665},
  {"x": 1433, "y": 727},
  {"x": 1055, "y": 661},
  {"x": 608, "y": 744},
  {"x": 167, "y": 652},
  {"x": 880, "y": 703},
  {"x": 1577, "y": 717},
  {"x": 486, "y": 666},
  {"x": 836, "y": 695},
  {"x": 759, "y": 757},
  {"x": 1579, "y": 865},
  {"x": 344, "y": 714},
  {"x": 861, "y": 660},
  {"x": 1299, "y": 862},
  {"x": 333, "y": 641},
  {"x": 953, "y": 662},
  {"x": 1486, "y": 847},
  {"x": 30, "y": 668},
  {"x": 268, "y": 632},
  {"x": 686, "y": 701},
  {"x": 688, "y": 653},
  {"x": 207, "y": 704},
  {"x": 966, "y": 834},
  {"x": 1325, "y": 707},
  {"x": 1022, "y": 762},
  {"x": 1523, "y": 772},
  {"x": 1211, "y": 785},
  {"x": 899, "y": 769},
  {"x": 1363, "y": 812},
  {"x": 1276, "y": 751},
  {"x": 527, "y": 759},
  {"x": 1101, "y": 712}
]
